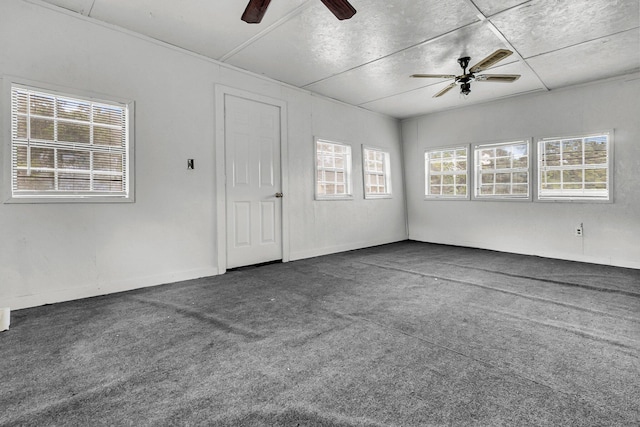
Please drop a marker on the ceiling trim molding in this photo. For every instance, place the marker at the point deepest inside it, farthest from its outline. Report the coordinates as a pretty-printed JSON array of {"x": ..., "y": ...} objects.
[
  {"x": 623, "y": 78},
  {"x": 298, "y": 10}
]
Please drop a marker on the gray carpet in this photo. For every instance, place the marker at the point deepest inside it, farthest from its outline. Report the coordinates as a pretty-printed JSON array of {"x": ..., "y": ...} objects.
[{"x": 408, "y": 334}]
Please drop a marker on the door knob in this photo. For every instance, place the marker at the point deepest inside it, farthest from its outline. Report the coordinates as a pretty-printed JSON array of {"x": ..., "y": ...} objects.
[{"x": 279, "y": 195}]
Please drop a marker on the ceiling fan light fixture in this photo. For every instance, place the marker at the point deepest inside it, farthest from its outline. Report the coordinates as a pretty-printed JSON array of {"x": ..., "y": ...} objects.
[{"x": 464, "y": 62}]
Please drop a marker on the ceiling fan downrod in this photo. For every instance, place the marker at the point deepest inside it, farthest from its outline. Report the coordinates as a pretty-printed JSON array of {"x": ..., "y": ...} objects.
[{"x": 465, "y": 79}]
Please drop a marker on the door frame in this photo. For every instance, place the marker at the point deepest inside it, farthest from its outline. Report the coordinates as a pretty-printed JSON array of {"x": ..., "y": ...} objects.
[{"x": 221, "y": 91}]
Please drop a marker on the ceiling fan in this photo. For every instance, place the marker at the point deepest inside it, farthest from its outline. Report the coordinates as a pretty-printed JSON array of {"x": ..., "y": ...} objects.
[
  {"x": 465, "y": 79},
  {"x": 256, "y": 9}
]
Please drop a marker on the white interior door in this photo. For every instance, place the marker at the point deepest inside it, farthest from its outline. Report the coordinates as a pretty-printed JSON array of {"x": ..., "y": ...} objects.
[{"x": 253, "y": 182}]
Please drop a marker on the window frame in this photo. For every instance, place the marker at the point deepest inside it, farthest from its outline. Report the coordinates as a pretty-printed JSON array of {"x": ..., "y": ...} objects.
[
  {"x": 574, "y": 198},
  {"x": 128, "y": 196},
  {"x": 477, "y": 179},
  {"x": 386, "y": 173},
  {"x": 348, "y": 168},
  {"x": 426, "y": 173}
]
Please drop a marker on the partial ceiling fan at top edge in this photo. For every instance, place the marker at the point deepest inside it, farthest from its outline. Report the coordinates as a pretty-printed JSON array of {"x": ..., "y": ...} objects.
[
  {"x": 342, "y": 9},
  {"x": 256, "y": 9}
]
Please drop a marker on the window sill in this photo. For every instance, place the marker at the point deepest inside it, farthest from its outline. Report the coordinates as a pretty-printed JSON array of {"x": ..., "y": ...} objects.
[
  {"x": 335, "y": 198},
  {"x": 68, "y": 199},
  {"x": 429, "y": 198}
]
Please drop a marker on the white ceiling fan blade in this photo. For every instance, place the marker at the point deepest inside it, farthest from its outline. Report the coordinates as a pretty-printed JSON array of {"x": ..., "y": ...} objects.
[
  {"x": 433, "y": 76},
  {"x": 487, "y": 62},
  {"x": 504, "y": 78},
  {"x": 445, "y": 90}
]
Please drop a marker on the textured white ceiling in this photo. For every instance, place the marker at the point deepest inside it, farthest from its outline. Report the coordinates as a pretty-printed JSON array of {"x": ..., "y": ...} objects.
[{"x": 367, "y": 60}]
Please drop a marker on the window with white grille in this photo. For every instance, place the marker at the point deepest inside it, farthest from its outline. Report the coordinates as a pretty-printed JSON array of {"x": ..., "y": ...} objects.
[
  {"x": 66, "y": 147},
  {"x": 377, "y": 176},
  {"x": 575, "y": 168},
  {"x": 446, "y": 173},
  {"x": 502, "y": 170},
  {"x": 333, "y": 170}
]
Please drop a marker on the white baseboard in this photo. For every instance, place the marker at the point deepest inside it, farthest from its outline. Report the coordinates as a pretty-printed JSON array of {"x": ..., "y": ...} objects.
[
  {"x": 544, "y": 254},
  {"x": 61, "y": 295},
  {"x": 311, "y": 253},
  {"x": 5, "y": 318}
]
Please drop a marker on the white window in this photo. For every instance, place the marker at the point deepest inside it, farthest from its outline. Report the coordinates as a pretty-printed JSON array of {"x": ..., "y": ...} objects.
[
  {"x": 333, "y": 170},
  {"x": 502, "y": 170},
  {"x": 377, "y": 177},
  {"x": 446, "y": 173},
  {"x": 68, "y": 148},
  {"x": 575, "y": 168}
]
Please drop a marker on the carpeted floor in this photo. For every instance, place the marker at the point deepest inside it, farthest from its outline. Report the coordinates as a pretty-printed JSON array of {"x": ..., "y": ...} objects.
[{"x": 408, "y": 334}]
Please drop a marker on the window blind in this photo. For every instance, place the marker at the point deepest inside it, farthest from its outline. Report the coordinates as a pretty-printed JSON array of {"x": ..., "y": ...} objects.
[{"x": 67, "y": 147}]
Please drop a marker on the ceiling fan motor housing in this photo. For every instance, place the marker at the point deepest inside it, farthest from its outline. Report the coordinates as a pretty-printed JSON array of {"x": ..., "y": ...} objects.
[
  {"x": 464, "y": 80},
  {"x": 464, "y": 62}
]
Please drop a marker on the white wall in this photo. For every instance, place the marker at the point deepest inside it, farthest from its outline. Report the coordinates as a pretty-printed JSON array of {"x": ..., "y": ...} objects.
[
  {"x": 332, "y": 226},
  {"x": 55, "y": 252},
  {"x": 611, "y": 230}
]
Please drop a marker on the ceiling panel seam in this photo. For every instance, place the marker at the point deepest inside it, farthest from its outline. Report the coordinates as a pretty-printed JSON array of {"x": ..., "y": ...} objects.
[
  {"x": 398, "y": 93},
  {"x": 503, "y": 39},
  {"x": 422, "y": 43},
  {"x": 476, "y": 10},
  {"x": 457, "y": 107},
  {"x": 516, "y": 6},
  {"x": 511, "y": 47},
  {"x": 583, "y": 42},
  {"x": 266, "y": 31}
]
